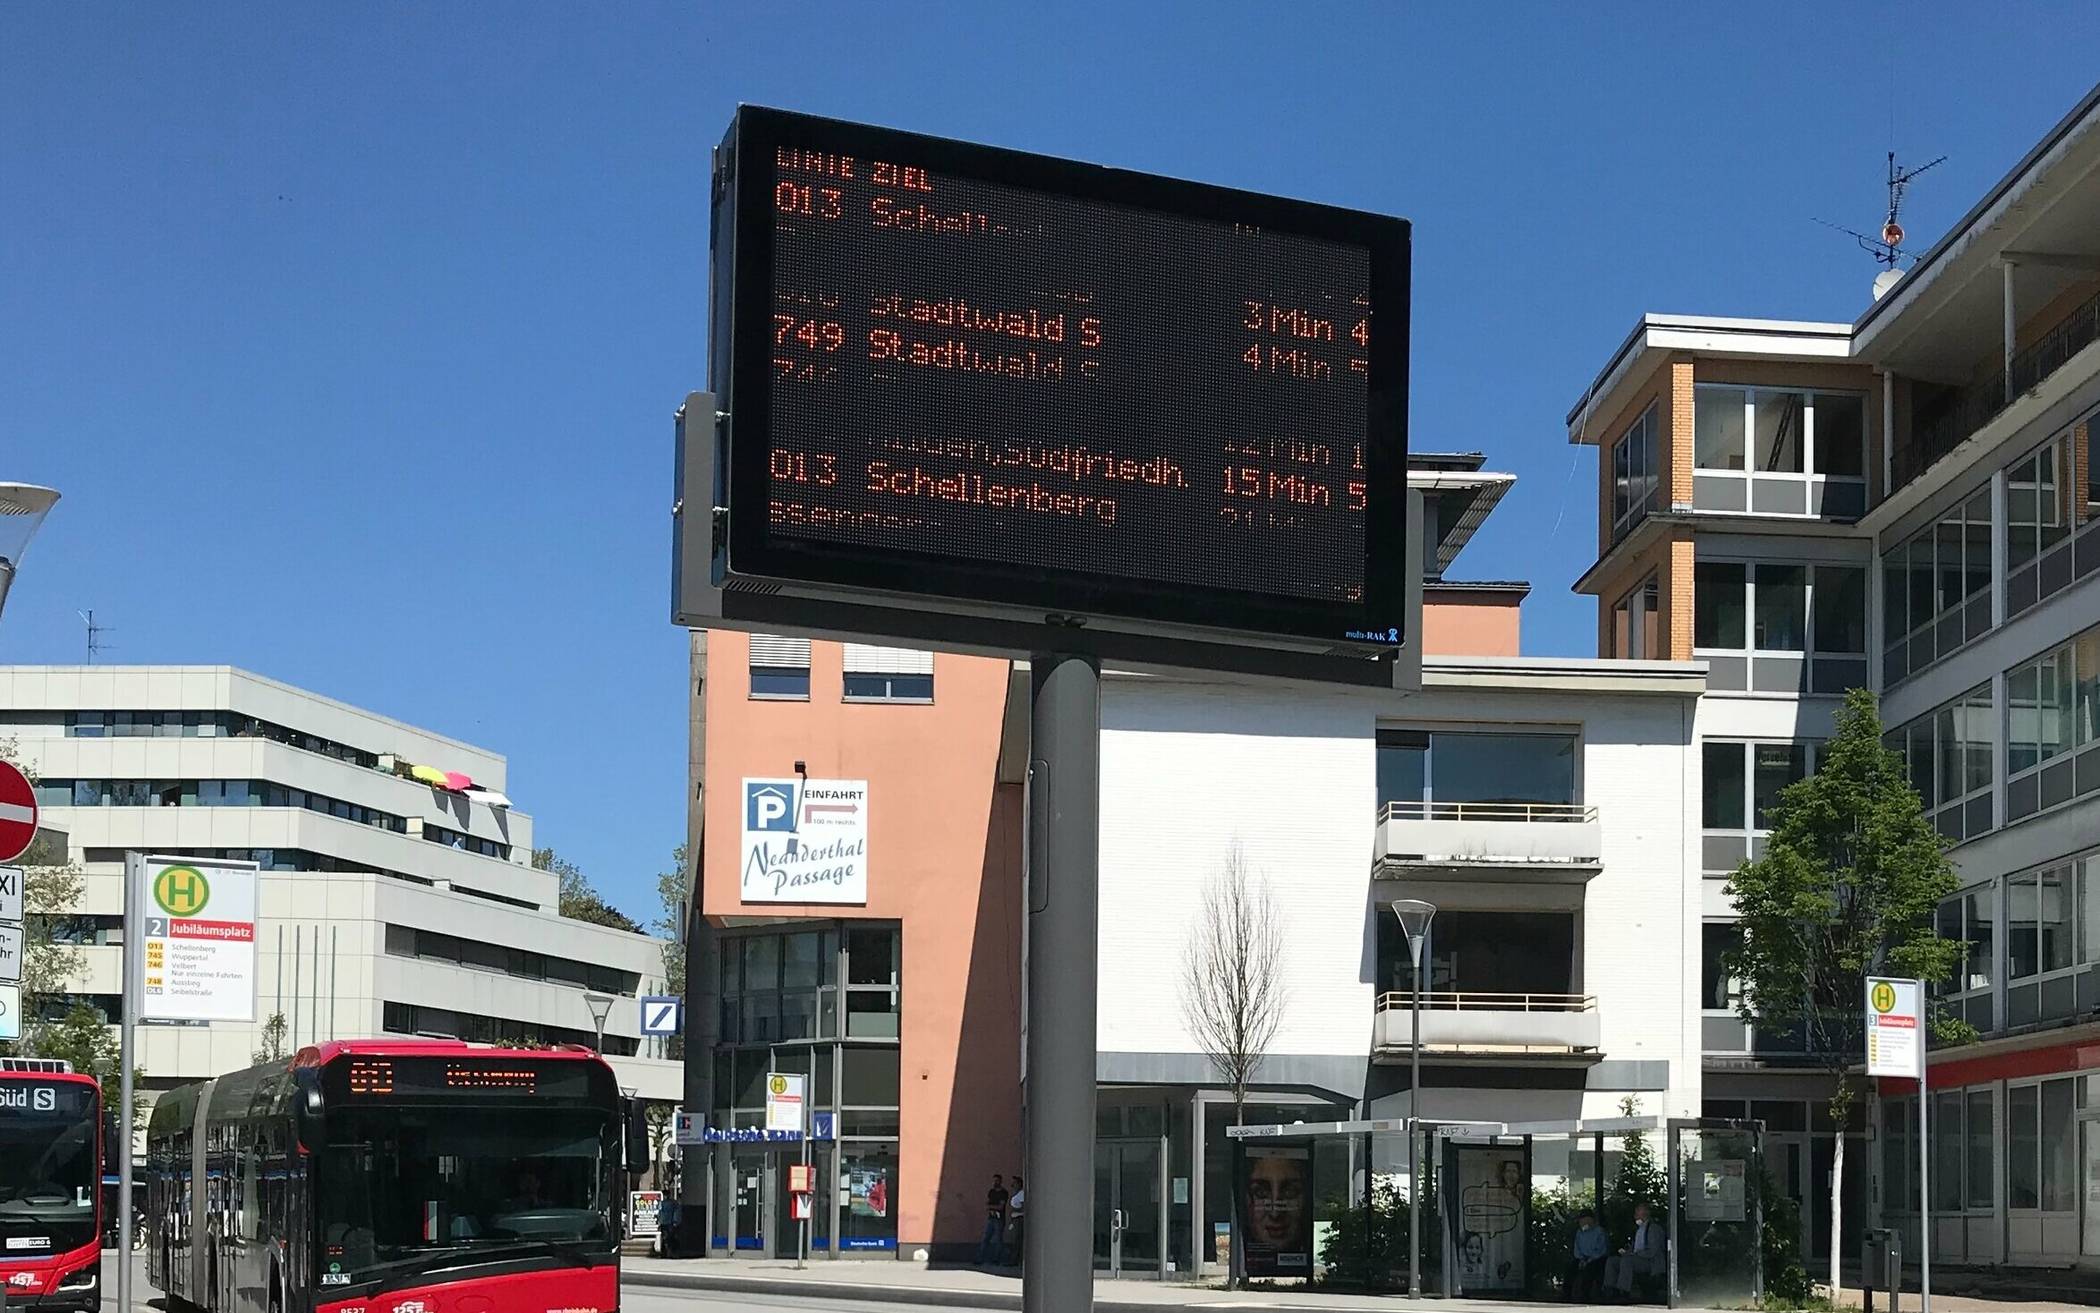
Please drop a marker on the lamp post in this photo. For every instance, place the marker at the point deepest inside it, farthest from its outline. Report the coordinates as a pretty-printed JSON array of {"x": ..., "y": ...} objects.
[
  {"x": 601, "y": 1008},
  {"x": 22, "y": 509},
  {"x": 1415, "y": 916}
]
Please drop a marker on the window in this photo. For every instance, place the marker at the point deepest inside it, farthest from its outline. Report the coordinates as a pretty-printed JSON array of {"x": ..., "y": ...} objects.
[
  {"x": 1755, "y": 620},
  {"x": 1780, "y": 435},
  {"x": 1841, "y": 611},
  {"x": 2052, "y": 728},
  {"x": 1717, "y": 427},
  {"x": 1948, "y": 752},
  {"x": 887, "y": 674},
  {"x": 1935, "y": 588},
  {"x": 1637, "y": 623},
  {"x": 1456, "y": 767},
  {"x": 1969, "y": 917},
  {"x": 1840, "y": 434},
  {"x": 1636, "y": 473},
  {"x": 1718, "y": 991},
  {"x": 1780, "y": 619},
  {"x": 779, "y": 667},
  {"x": 2038, "y": 922},
  {"x": 1739, "y": 785},
  {"x": 1776, "y": 766},
  {"x": 2044, "y": 507},
  {"x": 1779, "y": 451},
  {"x": 1722, "y": 787},
  {"x": 1982, "y": 1194},
  {"x": 1718, "y": 604}
]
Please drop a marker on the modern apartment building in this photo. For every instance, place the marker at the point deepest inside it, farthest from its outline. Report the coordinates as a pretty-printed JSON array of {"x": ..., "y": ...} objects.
[
  {"x": 1905, "y": 502},
  {"x": 1546, "y": 806},
  {"x": 397, "y": 895}
]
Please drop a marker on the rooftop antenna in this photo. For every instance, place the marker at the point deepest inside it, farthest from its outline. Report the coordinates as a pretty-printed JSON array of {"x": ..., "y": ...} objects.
[
  {"x": 94, "y": 635},
  {"x": 1887, "y": 249}
]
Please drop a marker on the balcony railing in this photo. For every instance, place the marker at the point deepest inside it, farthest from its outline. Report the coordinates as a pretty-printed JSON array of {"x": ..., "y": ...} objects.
[
  {"x": 1461, "y": 1000},
  {"x": 1545, "y": 1026},
  {"x": 1541, "y": 835},
  {"x": 1563, "y": 812},
  {"x": 1944, "y": 425}
]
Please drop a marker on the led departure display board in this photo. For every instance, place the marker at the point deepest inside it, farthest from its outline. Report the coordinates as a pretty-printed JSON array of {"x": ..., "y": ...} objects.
[
  {"x": 364, "y": 1077},
  {"x": 962, "y": 372}
]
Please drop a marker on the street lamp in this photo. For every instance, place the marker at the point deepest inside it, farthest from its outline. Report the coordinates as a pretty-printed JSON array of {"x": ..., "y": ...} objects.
[
  {"x": 22, "y": 509},
  {"x": 1415, "y": 916},
  {"x": 601, "y": 1008}
]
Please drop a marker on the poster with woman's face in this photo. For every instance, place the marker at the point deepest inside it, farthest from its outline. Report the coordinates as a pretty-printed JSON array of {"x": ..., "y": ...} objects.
[
  {"x": 1494, "y": 1206},
  {"x": 1278, "y": 1209}
]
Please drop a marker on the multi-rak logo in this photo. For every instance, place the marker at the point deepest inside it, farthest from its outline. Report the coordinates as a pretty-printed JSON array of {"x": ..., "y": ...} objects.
[{"x": 769, "y": 807}]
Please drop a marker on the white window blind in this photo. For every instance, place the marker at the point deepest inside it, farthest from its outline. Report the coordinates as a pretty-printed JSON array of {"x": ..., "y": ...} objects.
[
  {"x": 865, "y": 659},
  {"x": 777, "y": 653}
]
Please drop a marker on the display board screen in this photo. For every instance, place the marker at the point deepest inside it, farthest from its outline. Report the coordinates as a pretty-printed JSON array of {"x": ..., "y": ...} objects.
[
  {"x": 362, "y": 1077},
  {"x": 968, "y": 372}
]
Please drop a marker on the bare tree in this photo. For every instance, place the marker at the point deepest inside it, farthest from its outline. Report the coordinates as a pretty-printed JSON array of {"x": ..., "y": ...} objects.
[{"x": 1232, "y": 990}]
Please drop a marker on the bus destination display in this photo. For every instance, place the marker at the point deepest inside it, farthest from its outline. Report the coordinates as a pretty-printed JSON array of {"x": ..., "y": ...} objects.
[
  {"x": 371, "y": 1077},
  {"x": 1050, "y": 383}
]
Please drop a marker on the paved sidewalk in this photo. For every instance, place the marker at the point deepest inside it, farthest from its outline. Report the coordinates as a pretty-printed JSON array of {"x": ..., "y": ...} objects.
[{"x": 972, "y": 1288}]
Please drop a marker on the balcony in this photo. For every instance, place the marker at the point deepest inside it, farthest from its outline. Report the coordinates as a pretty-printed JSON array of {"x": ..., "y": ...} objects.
[
  {"x": 1465, "y": 1025},
  {"x": 1540, "y": 841},
  {"x": 1947, "y": 418}
]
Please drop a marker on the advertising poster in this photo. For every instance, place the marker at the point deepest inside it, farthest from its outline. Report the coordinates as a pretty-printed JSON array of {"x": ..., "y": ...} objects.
[
  {"x": 805, "y": 841},
  {"x": 1494, "y": 1196},
  {"x": 644, "y": 1212},
  {"x": 1278, "y": 1212},
  {"x": 1714, "y": 1190},
  {"x": 868, "y": 1192}
]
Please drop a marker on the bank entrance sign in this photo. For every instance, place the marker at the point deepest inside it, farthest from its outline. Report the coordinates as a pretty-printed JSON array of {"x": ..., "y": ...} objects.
[{"x": 197, "y": 941}]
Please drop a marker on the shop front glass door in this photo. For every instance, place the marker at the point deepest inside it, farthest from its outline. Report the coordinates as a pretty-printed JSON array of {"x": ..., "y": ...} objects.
[
  {"x": 1126, "y": 1207},
  {"x": 750, "y": 1170}
]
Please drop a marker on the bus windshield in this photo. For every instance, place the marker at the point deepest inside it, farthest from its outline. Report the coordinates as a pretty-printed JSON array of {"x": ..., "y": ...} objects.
[
  {"x": 48, "y": 1173},
  {"x": 400, "y": 1185}
]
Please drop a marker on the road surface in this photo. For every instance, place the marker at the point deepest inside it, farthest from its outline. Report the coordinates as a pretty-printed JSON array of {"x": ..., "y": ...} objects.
[{"x": 650, "y": 1299}]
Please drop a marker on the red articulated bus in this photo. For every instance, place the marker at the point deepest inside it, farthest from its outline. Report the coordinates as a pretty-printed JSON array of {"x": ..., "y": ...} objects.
[
  {"x": 390, "y": 1176},
  {"x": 50, "y": 1185}
]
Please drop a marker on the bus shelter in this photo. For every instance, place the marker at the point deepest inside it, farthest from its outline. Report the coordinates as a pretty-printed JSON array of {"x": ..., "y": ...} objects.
[{"x": 1500, "y": 1207}]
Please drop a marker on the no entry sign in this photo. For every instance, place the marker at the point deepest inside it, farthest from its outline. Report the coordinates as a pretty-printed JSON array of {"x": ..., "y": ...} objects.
[{"x": 17, "y": 812}]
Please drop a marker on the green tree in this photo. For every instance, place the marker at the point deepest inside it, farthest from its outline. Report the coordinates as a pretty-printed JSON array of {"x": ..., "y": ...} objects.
[
  {"x": 1847, "y": 887},
  {"x": 1639, "y": 1180},
  {"x": 84, "y": 1039},
  {"x": 269, "y": 1042},
  {"x": 670, "y": 923},
  {"x": 579, "y": 899}
]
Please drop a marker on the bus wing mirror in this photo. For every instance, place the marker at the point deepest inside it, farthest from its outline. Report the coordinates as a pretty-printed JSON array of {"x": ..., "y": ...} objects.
[{"x": 637, "y": 1136}]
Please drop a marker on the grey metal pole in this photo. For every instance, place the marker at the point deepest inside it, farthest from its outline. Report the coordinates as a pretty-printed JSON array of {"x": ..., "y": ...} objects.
[
  {"x": 134, "y": 868},
  {"x": 1414, "y": 1136},
  {"x": 1064, "y": 824},
  {"x": 1924, "y": 1194}
]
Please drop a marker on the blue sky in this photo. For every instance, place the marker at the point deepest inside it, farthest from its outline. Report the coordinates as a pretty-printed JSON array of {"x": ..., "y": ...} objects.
[{"x": 352, "y": 334}]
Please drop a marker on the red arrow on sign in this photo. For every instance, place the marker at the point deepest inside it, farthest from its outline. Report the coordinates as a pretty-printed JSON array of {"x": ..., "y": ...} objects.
[
  {"x": 812, "y": 808},
  {"x": 17, "y": 812}
]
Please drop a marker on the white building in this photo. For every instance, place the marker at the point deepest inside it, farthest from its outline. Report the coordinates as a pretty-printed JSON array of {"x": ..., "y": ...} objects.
[
  {"x": 387, "y": 905},
  {"x": 1547, "y": 807}
]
